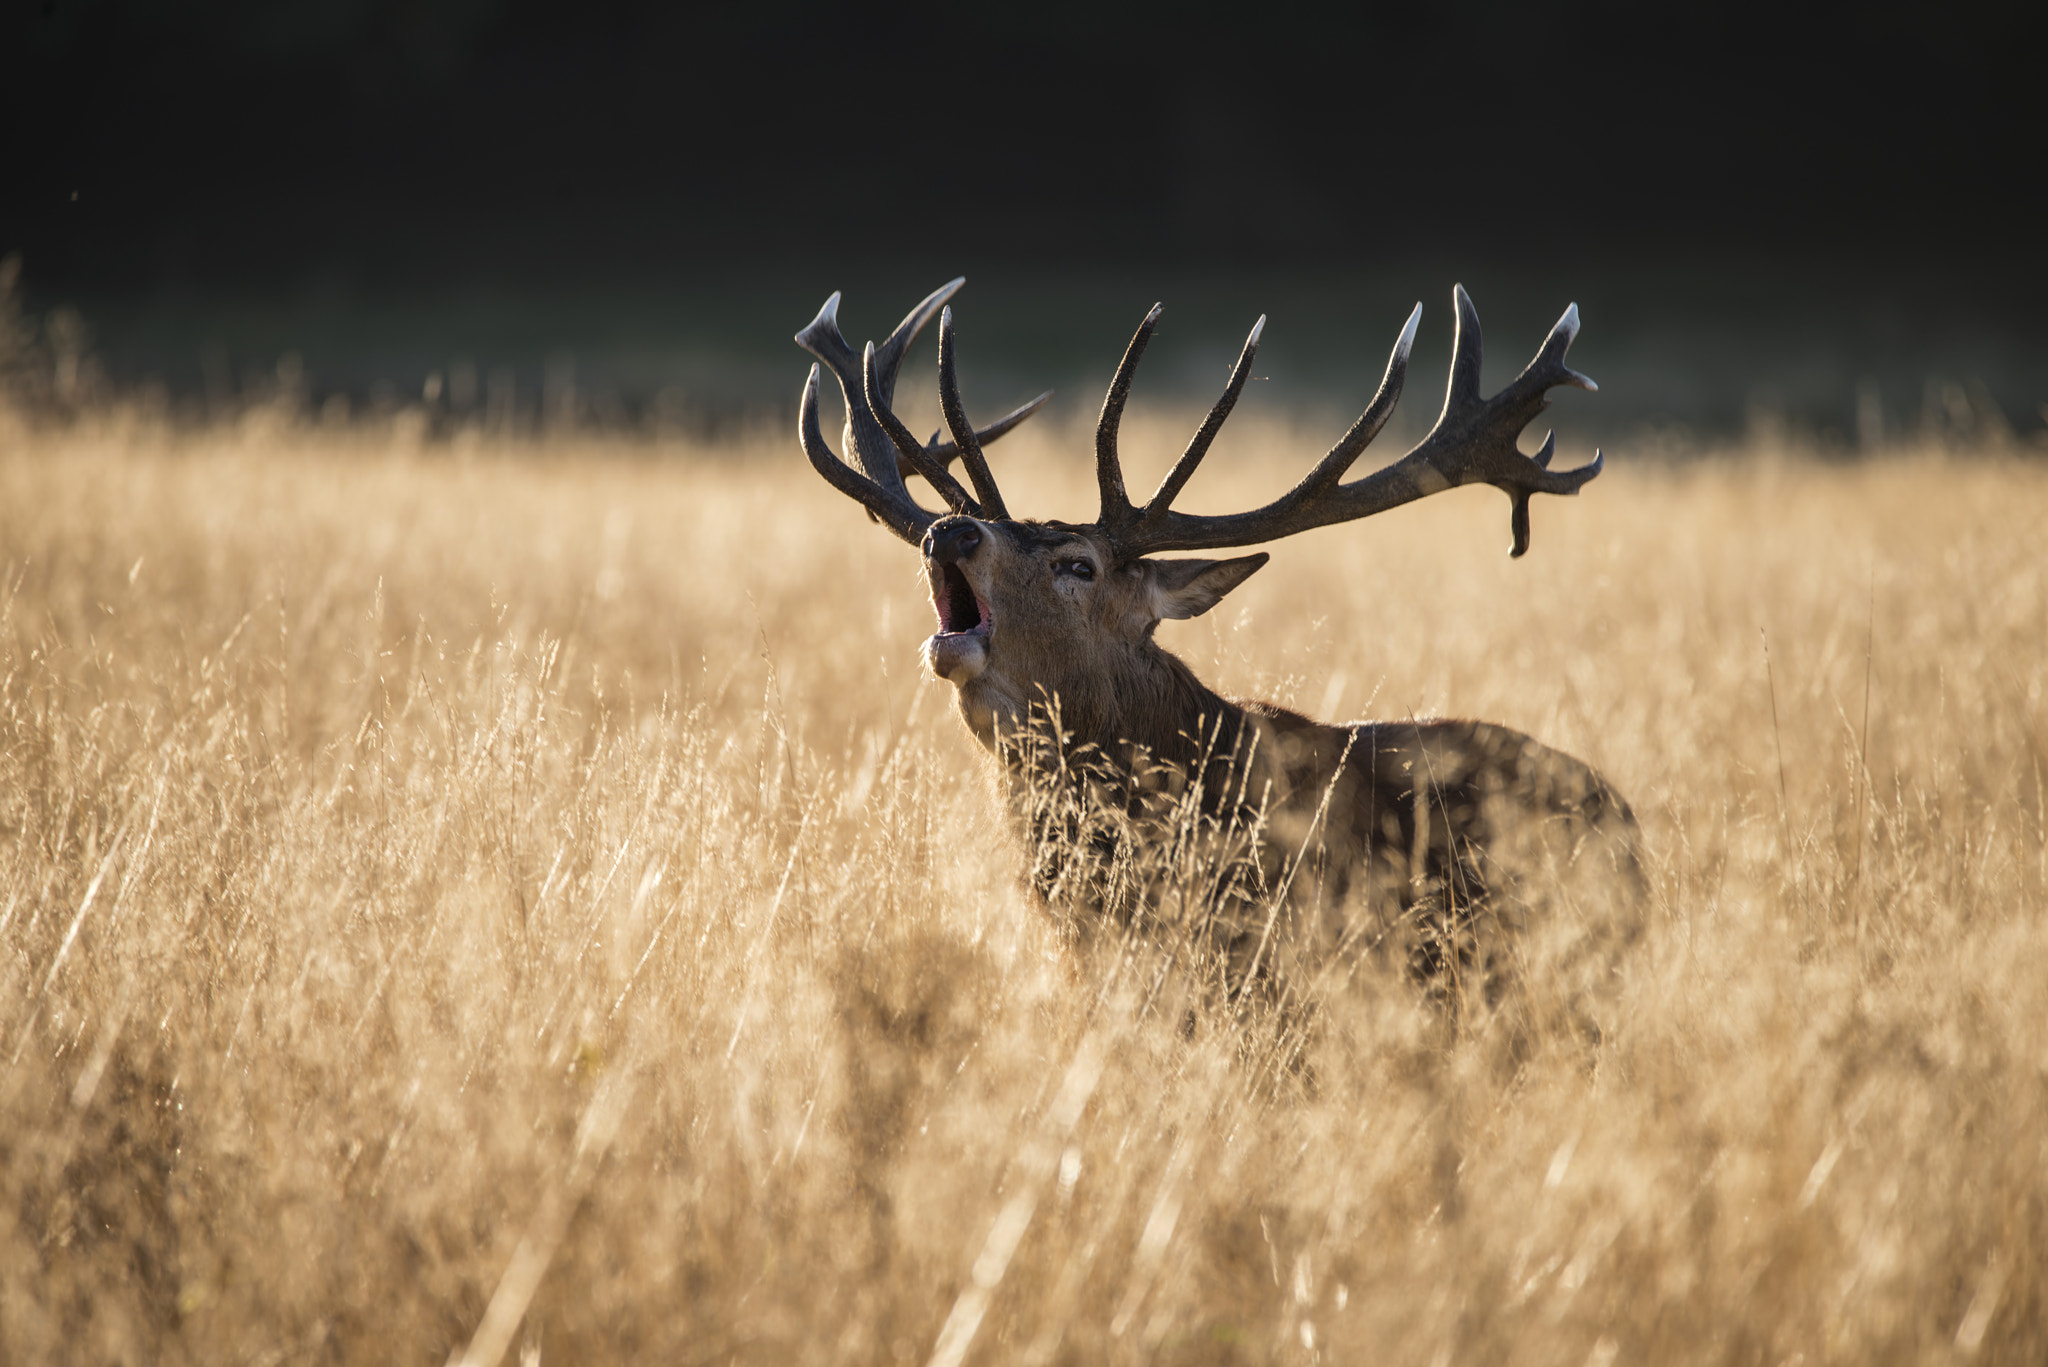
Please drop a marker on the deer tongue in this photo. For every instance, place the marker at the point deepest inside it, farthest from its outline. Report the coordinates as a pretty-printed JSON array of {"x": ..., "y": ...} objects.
[{"x": 958, "y": 606}]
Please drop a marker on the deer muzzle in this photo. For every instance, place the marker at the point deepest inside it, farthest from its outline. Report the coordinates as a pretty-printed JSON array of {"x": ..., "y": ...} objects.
[{"x": 958, "y": 652}]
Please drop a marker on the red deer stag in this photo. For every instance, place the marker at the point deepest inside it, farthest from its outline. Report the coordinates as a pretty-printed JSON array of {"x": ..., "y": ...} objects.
[{"x": 1141, "y": 793}]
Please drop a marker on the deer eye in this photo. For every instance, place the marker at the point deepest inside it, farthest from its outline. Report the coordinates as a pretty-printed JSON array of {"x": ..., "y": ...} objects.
[{"x": 1080, "y": 569}]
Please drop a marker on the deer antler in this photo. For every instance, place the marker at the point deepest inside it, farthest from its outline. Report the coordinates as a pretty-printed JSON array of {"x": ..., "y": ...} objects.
[
  {"x": 1473, "y": 441},
  {"x": 882, "y": 452}
]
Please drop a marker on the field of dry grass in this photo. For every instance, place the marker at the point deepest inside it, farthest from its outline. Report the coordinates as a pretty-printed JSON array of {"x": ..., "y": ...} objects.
[{"x": 527, "y": 902}]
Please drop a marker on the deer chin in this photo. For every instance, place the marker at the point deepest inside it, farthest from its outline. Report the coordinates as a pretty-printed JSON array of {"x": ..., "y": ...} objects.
[{"x": 959, "y": 657}]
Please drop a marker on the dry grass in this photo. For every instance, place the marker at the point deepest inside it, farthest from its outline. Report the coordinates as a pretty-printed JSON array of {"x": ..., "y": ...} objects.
[{"x": 529, "y": 900}]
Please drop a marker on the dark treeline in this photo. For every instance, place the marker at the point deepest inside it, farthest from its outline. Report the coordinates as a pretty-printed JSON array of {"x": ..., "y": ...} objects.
[{"x": 229, "y": 169}]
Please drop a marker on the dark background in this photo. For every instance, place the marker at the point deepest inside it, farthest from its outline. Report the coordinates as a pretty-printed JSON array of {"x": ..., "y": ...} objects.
[{"x": 1762, "y": 209}]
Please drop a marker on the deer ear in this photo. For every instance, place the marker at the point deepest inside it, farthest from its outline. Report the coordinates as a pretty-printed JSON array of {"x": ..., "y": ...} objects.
[{"x": 1189, "y": 588}]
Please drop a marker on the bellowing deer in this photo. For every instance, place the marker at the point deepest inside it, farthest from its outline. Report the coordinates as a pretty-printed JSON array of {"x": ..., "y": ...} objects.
[{"x": 1291, "y": 842}]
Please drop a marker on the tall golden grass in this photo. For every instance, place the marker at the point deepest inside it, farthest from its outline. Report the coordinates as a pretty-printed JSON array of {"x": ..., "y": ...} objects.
[{"x": 526, "y": 903}]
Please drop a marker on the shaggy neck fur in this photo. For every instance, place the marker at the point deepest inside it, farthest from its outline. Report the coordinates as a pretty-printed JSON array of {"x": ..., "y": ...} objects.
[{"x": 1153, "y": 707}]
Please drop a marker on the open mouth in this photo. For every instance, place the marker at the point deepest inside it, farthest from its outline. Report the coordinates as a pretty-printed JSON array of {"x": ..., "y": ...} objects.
[{"x": 961, "y": 612}]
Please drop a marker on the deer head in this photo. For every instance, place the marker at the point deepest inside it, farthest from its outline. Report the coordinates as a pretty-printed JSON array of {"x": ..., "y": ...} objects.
[{"x": 1032, "y": 611}]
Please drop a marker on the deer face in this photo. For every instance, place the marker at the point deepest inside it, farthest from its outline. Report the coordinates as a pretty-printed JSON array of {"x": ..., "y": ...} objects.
[{"x": 1030, "y": 611}]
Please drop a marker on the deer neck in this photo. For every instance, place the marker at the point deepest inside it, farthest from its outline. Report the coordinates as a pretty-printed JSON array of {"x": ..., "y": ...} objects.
[{"x": 1150, "y": 711}]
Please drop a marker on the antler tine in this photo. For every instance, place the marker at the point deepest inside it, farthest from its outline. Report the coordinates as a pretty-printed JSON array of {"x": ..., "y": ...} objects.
[
  {"x": 1562, "y": 334},
  {"x": 946, "y": 452},
  {"x": 1184, "y": 469},
  {"x": 865, "y": 442},
  {"x": 893, "y": 508},
  {"x": 1341, "y": 457},
  {"x": 889, "y": 355},
  {"x": 1518, "y": 513},
  {"x": 1468, "y": 350},
  {"x": 908, "y": 452},
  {"x": 822, "y": 332},
  {"x": 963, "y": 431},
  {"x": 1117, "y": 511}
]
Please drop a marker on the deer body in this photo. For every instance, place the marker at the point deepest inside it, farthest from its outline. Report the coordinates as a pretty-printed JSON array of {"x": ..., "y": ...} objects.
[
  {"x": 1143, "y": 794},
  {"x": 1387, "y": 832}
]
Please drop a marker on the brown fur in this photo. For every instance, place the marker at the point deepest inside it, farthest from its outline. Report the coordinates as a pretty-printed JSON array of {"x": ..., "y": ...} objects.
[{"x": 1137, "y": 786}]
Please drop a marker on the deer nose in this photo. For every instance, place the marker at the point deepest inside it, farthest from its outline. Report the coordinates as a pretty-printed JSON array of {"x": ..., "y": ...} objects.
[{"x": 952, "y": 540}]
